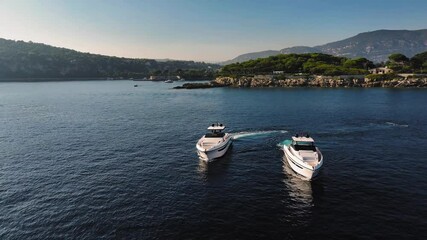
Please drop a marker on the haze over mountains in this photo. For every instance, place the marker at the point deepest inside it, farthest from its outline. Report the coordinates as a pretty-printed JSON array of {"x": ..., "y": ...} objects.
[{"x": 375, "y": 46}]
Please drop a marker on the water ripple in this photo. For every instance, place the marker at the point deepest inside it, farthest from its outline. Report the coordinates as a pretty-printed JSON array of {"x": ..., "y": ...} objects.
[{"x": 92, "y": 160}]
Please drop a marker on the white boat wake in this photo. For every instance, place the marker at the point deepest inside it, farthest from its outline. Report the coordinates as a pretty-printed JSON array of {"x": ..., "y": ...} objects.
[
  {"x": 396, "y": 124},
  {"x": 254, "y": 134},
  {"x": 370, "y": 127}
]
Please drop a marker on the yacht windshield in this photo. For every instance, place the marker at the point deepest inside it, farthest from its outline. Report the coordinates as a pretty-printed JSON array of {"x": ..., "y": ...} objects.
[
  {"x": 215, "y": 135},
  {"x": 308, "y": 146}
]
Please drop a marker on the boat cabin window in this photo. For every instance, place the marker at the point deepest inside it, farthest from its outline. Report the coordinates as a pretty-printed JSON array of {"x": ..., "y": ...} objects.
[
  {"x": 307, "y": 146},
  {"x": 215, "y": 134}
]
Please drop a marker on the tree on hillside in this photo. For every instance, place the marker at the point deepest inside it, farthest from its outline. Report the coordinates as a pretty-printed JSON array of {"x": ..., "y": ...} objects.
[
  {"x": 359, "y": 63},
  {"x": 398, "y": 62},
  {"x": 419, "y": 62},
  {"x": 398, "y": 58}
]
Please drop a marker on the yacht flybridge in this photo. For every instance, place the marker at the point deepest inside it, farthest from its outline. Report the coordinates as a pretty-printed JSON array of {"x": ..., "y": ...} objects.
[
  {"x": 213, "y": 144},
  {"x": 303, "y": 156}
]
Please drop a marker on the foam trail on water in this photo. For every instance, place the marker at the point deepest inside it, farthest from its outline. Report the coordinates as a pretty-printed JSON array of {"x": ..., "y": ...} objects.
[
  {"x": 396, "y": 124},
  {"x": 255, "y": 133}
]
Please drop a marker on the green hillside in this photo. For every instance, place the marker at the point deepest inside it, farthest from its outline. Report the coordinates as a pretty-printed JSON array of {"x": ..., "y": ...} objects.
[
  {"x": 309, "y": 63},
  {"x": 19, "y": 59},
  {"x": 324, "y": 64}
]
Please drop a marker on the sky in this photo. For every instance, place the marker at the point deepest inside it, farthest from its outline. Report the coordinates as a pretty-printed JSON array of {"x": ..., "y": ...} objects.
[{"x": 200, "y": 30}]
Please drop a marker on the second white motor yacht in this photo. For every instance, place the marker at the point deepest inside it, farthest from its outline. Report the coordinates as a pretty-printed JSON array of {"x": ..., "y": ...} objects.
[
  {"x": 214, "y": 144},
  {"x": 303, "y": 156}
]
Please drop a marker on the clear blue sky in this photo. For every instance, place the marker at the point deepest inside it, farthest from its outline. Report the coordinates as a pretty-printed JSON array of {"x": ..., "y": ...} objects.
[{"x": 213, "y": 30}]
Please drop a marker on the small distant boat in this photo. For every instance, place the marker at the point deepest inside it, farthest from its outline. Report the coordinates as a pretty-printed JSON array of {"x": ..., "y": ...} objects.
[
  {"x": 168, "y": 81},
  {"x": 214, "y": 144},
  {"x": 303, "y": 156},
  {"x": 135, "y": 85}
]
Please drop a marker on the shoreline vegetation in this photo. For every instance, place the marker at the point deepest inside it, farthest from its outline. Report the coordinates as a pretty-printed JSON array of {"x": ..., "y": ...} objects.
[{"x": 321, "y": 70}]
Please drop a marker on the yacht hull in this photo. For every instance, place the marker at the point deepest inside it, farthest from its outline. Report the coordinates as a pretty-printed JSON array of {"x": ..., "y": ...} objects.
[
  {"x": 300, "y": 168},
  {"x": 210, "y": 155}
]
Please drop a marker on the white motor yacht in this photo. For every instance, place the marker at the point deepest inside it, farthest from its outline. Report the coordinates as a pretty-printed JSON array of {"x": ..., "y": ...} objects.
[
  {"x": 303, "y": 156},
  {"x": 169, "y": 81},
  {"x": 213, "y": 144}
]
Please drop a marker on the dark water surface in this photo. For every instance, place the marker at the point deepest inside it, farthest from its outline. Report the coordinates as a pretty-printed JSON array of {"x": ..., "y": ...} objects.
[{"x": 86, "y": 160}]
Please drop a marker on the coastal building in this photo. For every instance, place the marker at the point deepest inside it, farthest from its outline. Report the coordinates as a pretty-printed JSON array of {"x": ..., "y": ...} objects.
[
  {"x": 278, "y": 72},
  {"x": 380, "y": 70}
]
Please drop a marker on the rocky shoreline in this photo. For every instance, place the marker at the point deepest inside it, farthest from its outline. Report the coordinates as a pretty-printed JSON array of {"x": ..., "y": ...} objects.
[{"x": 262, "y": 81}]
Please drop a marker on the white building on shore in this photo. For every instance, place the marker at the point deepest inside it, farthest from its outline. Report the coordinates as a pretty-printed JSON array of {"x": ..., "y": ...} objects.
[{"x": 380, "y": 70}]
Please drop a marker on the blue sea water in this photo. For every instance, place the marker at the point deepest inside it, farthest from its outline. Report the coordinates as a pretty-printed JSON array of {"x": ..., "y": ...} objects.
[{"x": 104, "y": 159}]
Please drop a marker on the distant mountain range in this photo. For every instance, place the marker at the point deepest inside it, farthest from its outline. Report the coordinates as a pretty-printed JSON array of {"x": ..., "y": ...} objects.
[
  {"x": 28, "y": 60},
  {"x": 375, "y": 46}
]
